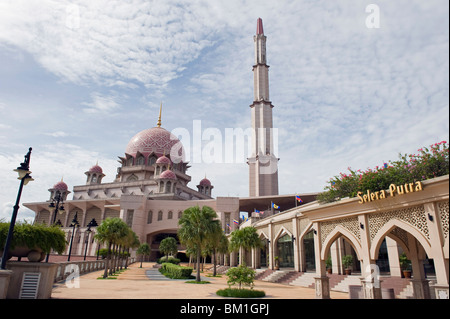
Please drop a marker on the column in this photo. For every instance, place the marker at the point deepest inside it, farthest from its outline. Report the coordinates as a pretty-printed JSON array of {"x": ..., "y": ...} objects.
[
  {"x": 394, "y": 264},
  {"x": 437, "y": 243},
  {"x": 421, "y": 287},
  {"x": 370, "y": 281},
  {"x": 322, "y": 283},
  {"x": 271, "y": 256},
  {"x": 296, "y": 244}
]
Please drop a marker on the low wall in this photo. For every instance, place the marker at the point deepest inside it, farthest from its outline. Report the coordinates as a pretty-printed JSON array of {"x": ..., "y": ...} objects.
[
  {"x": 74, "y": 268},
  {"x": 34, "y": 280}
]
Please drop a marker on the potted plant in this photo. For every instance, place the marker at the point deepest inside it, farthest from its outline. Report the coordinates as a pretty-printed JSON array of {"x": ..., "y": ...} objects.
[
  {"x": 347, "y": 262},
  {"x": 329, "y": 265},
  {"x": 405, "y": 265},
  {"x": 276, "y": 266},
  {"x": 33, "y": 241}
]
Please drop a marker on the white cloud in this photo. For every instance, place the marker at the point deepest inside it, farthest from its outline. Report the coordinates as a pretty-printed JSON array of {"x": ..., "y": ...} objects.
[{"x": 101, "y": 104}]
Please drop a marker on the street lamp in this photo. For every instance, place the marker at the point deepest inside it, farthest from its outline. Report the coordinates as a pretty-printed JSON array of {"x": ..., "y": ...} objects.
[
  {"x": 25, "y": 177},
  {"x": 92, "y": 223},
  {"x": 59, "y": 200},
  {"x": 74, "y": 224}
]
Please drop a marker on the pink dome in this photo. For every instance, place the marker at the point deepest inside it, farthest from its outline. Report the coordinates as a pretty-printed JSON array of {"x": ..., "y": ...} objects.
[
  {"x": 96, "y": 169},
  {"x": 163, "y": 160},
  {"x": 205, "y": 182},
  {"x": 60, "y": 186},
  {"x": 168, "y": 174},
  {"x": 153, "y": 140}
]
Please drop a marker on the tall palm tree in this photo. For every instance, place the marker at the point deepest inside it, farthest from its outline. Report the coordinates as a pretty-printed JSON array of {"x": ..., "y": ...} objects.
[
  {"x": 196, "y": 226},
  {"x": 246, "y": 238},
  {"x": 109, "y": 232},
  {"x": 214, "y": 242}
]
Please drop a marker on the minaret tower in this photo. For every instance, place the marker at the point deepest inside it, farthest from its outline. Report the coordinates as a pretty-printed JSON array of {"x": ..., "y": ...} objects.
[{"x": 263, "y": 165}]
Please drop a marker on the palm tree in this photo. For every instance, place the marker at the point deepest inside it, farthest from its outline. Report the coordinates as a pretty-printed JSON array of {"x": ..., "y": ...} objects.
[
  {"x": 246, "y": 238},
  {"x": 215, "y": 240},
  {"x": 196, "y": 226},
  {"x": 143, "y": 250},
  {"x": 110, "y": 231},
  {"x": 168, "y": 246}
]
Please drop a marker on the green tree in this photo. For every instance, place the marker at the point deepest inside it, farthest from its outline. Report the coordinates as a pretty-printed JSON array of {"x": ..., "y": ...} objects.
[
  {"x": 143, "y": 250},
  {"x": 196, "y": 227},
  {"x": 168, "y": 246},
  {"x": 246, "y": 238},
  {"x": 241, "y": 275},
  {"x": 110, "y": 231}
]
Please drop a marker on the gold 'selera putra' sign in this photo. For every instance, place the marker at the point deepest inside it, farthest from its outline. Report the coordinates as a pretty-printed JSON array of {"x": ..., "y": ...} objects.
[{"x": 393, "y": 189}]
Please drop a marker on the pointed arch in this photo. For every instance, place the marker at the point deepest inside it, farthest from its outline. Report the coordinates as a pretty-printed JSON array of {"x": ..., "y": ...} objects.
[
  {"x": 386, "y": 230},
  {"x": 283, "y": 231},
  {"x": 335, "y": 234}
]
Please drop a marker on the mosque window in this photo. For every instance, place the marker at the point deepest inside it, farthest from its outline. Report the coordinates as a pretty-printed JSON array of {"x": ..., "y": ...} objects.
[
  {"x": 140, "y": 160},
  {"x": 94, "y": 178},
  {"x": 130, "y": 162},
  {"x": 149, "y": 217},
  {"x": 161, "y": 187},
  {"x": 179, "y": 214},
  {"x": 130, "y": 213},
  {"x": 168, "y": 187},
  {"x": 170, "y": 215},
  {"x": 152, "y": 160},
  {"x": 160, "y": 215}
]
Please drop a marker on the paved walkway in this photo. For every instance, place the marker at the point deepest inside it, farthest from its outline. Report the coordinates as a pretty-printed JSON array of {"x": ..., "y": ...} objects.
[{"x": 147, "y": 283}]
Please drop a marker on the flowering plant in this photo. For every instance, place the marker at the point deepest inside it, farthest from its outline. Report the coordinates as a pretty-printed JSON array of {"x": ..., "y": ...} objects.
[{"x": 428, "y": 163}]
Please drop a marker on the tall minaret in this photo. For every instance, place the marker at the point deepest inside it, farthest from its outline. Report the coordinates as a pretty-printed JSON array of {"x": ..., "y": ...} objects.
[{"x": 263, "y": 165}]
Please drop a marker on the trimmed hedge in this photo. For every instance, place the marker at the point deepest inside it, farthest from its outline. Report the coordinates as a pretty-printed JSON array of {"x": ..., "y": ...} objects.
[
  {"x": 240, "y": 293},
  {"x": 175, "y": 271},
  {"x": 171, "y": 260}
]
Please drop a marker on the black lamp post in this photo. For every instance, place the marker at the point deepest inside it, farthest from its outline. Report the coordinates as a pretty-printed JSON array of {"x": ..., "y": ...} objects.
[
  {"x": 92, "y": 223},
  {"x": 25, "y": 177},
  {"x": 74, "y": 224},
  {"x": 57, "y": 204}
]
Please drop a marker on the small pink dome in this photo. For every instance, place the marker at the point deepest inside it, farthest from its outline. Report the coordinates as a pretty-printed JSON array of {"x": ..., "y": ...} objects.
[
  {"x": 205, "y": 182},
  {"x": 168, "y": 174},
  {"x": 60, "y": 186},
  {"x": 163, "y": 160},
  {"x": 96, "y": 169}
]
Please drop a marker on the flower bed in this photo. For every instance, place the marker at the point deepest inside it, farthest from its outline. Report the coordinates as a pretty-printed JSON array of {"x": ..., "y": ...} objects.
[{"x": 428, "y": 163}]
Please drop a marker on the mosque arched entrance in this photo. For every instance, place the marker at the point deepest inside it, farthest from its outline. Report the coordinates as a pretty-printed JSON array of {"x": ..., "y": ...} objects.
[
  {"x": 285, "y": 251},
  {"x": 154, "y": 240}
]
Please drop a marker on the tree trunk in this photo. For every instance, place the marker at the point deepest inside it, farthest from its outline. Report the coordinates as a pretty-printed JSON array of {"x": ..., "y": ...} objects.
[
  {"x": 214, "y": 261},
  {"x": 198, "y": 265},
  {"x": 108, "y": 257}
]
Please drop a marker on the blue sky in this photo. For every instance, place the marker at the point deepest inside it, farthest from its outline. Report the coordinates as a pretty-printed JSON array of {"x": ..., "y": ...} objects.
[{"x": 78, "y": 79}]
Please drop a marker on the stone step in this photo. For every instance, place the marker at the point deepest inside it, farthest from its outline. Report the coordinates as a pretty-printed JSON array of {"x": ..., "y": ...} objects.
[{"x": 306, "y": 279}]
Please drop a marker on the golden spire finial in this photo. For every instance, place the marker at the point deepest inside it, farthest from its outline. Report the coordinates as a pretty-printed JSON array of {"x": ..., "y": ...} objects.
[{"x": 159, "y": 119}]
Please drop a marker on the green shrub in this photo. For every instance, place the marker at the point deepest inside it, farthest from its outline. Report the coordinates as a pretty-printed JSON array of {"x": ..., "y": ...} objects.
[
  {"x": 40, "y": 236},
  {"x": 176, "y": 271},
  {"x": 240, "y": 293},
  {"x": 241, "y": 275},
  {"x": 171, "y": 260}
]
